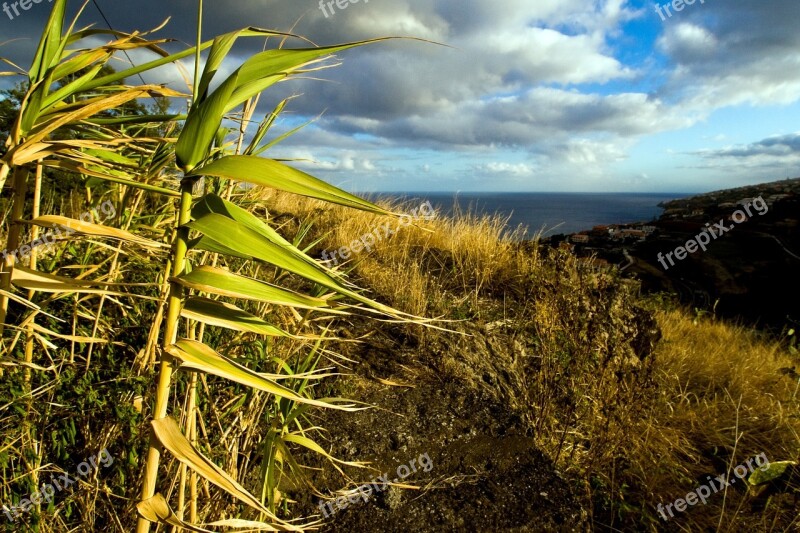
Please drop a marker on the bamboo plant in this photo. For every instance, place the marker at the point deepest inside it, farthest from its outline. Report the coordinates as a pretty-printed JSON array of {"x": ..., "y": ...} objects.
[
  {"x": 233, "y": 232},
  {"x": 204, "y": 225}
]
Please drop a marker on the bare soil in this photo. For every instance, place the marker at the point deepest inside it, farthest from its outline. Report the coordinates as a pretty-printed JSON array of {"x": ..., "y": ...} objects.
[{"x": 487, "y": 474}]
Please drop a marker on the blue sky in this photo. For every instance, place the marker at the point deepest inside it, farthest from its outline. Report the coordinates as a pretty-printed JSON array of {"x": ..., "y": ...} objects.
[{"x": 552, "y": 95}]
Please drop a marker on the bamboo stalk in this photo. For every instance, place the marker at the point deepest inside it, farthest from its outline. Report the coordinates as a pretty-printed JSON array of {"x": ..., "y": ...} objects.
[
  {"x": 4, "y": 169},
  {"x": 170, "y": 336},
  {"x": 37, "y": 202},
  {"x": 30, "y": 429},
  {"x": 174, "y": 310},
  {"x": 20, "y": 185}
]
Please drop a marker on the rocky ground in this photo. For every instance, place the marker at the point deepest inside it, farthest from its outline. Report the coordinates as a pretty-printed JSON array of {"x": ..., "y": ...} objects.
[{"x": 486, "y": 472}]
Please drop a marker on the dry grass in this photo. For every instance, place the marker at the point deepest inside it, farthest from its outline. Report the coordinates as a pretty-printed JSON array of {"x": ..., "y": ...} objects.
[
  {"x": 469, "y": 252},
  {"x": 633, "y": 432},
  {"x": 629, "y": 432},
  {"x": 721, "y": 400}
]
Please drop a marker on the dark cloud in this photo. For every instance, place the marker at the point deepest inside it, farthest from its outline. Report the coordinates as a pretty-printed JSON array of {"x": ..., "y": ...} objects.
[
  {"x": 539, "y": 78},
  {"x": 783, "y": 146}
]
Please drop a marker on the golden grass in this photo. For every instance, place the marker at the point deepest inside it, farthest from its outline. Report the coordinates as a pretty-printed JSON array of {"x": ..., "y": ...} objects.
[
  {"x": 709, "y": 397},
  {"x": 630, "y": 434},
  {"x": 721, "y": 400},
  {"x": 470, "y": 250}
]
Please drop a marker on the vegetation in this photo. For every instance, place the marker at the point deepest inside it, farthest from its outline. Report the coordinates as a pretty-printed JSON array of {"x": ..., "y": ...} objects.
[
  {"x": 195, "y": 337},
  {"x": 635, "y": 399}
]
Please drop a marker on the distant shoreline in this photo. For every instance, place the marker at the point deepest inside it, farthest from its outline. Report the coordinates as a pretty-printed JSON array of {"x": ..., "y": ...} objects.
[{"x": 551, "y": 213}]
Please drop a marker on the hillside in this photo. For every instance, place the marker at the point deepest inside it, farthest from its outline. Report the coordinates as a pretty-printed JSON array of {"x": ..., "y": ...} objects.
[
  {"x": 745, "y": 271},
  {"x": 198, "y": 335},
  {"x": 547, "y": 396},
  {"x": 566, "y": 401}
]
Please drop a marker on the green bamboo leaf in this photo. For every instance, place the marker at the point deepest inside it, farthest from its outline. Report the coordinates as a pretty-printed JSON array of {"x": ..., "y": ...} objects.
[
  {"x": 121, "y": 75},
  {"x": 216, "y": 313},
  {"x": 81, "y": 61},
  {"x": 305, "y": 376},
  {"x": 68, "y": 34},
  {"x": 47, "y": 52},
  {"x": 278, "y": 139},
  {"x": 266, "y": 68},
  {"x": 30, "y": 109},
  {"x": 50, "y": 52},
  {"x": 197, "y": 356},
  {"x": 202, "y": 125},
  {"x": 210, "y": 245},
  {"x": 70, "y": 88},
  {"x": 270, "y": 173},
  {"x": 244, "y": 240},
  {"x": 111, "y": 156},
  {"x": 219, "y": 51},
  {"x": 254, "y": 76},
  {"x": 216, "y": 55},
  {"x": 213, "y": 280},
  {"x": 264, "y": 127},
  {"x": 211, "y": 203}
]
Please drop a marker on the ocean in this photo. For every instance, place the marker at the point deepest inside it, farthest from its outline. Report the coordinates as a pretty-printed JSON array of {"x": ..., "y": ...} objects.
[{"x": 552, "y": 212}]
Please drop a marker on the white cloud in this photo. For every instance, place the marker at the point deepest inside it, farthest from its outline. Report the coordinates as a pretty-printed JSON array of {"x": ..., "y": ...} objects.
[
  {"x": 688, "y": 40},
  {"x": 540, "y": 82},
  {"x": 515, "y": 169}
]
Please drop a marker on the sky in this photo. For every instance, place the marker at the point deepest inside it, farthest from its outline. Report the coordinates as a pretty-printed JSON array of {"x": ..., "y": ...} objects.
[{"x": 535, "y": 95}]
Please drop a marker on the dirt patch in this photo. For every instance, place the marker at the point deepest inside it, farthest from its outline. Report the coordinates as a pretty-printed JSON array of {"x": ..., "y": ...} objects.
[{"x": 486, "y": 472}]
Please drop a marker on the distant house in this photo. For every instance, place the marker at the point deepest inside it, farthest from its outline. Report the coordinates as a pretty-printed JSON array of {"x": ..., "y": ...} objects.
[
  {"x": 698, "y": 213},
  {"x": 633, "y": 233},
  {"x": 674, "y": 213},
  {"x": 648, "y": 229},
  {"x": 580, "y": 238},
  {"x": 727, "y": 205}
]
